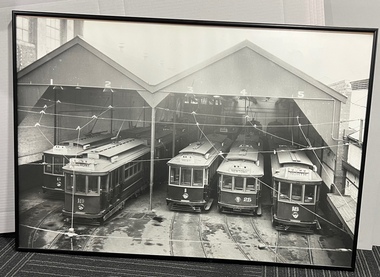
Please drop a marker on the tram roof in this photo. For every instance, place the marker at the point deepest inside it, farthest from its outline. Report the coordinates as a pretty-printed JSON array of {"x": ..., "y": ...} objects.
[
  {"x": 88, "y": 139},
  {"x": 75, "y": 146},
  {"x": 118, "y": 147},
  {"x": 244, "y": 168},
  {"x": 288, "y": 155},
  {"x": 297, "y": 174},
  {"x": 210, "y": 142},
  {"x": 92, "y": 165},
  {"x": 243, "y": 152}
]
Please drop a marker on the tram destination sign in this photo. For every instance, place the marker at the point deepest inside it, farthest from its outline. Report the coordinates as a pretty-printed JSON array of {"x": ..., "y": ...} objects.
[{"x": 82, "y": 164}]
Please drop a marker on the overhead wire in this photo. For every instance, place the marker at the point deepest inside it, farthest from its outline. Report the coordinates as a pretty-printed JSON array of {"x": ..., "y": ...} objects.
[
  {"x": 323, "y": 167},
  {"x": 310, "y": 147}
]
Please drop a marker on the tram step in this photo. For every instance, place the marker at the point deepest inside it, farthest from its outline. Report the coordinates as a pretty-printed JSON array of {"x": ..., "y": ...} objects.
[{"x": 184, "y": 208}]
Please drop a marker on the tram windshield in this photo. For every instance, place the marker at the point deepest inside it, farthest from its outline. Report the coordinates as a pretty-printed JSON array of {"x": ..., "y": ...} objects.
[
  {"x": 233, "y": 183},
  {"x": 185, "y": 176},
  {"x": 310, "y": 194},
  {"x": 239, "y": 183},
  {"x": 198, "y": 177},
  {"x": 54, "y": 164},
  {"x": 297, "y": 192},
  {"x": 85, "y": 184},
  {"x": 174, "y": 175}
]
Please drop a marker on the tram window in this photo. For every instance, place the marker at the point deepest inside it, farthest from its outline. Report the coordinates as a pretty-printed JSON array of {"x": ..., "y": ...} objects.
[
  {"x": 297, "y": 192},
  {"x": 174, "y": 175},
  {"x": 284, "y": 191},
  {"x": 57, "y": 165},
  {"x": 69, "y": 182},
  {"x": 93, "y": 184},
  {"x": 126, "y": 171},
  {"x": 103, "y": 183},
  {"x": 186, "y": 176},
  {"x": 251, "y": 184},
  {"x": 227, "y": 182},
  {"x": 309, "y": 194},
  {"x": 49, "y": 164},
  {"x": 121, "y": 172},
  {"x": 198, "y": 177},
  {"x": 80, "y": 183},
  {"x": 239, "y": 183},
  {"x": 134, "y": 168}
]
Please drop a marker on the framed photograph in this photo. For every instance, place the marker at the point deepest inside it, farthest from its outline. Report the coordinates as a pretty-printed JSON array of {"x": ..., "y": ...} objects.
[{"x": 219, "y": 141}]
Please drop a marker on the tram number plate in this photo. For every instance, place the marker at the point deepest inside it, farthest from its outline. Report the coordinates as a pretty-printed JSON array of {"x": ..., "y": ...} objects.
[
  {"x": 247, "y": 199},
  {"x": 80, "y": 200}
]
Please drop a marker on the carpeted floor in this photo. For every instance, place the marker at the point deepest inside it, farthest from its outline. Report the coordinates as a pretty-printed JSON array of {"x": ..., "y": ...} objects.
[{"x": 15, "y": 263}]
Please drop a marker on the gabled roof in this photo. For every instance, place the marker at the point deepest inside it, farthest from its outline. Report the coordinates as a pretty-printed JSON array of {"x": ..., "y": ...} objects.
[
  {"x": 80, "y": 41},
  {"x": 261, "y": 52},
  {"x": 178, "y": 77}
]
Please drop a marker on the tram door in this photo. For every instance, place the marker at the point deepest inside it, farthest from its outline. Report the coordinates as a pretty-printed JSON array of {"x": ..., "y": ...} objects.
[{"x": 114, "y": 186}]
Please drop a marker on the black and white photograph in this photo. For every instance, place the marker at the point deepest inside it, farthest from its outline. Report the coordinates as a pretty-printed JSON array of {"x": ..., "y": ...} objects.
[{"x": 190, "y": 139}]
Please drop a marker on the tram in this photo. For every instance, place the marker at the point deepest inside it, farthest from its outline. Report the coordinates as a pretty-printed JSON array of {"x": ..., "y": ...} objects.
[
  {"x": 192, "y": 174},
  {"x": 239, "y": 188},
  {"x": 55, "y": 158},
  {"x": 296, "y": 187},
  {"x": 98, "y": 184},
  {"x": 163, "y": 151}
]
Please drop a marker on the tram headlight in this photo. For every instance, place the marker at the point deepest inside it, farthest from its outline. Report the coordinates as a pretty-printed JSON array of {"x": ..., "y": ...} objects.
[
  {"x": 59, "y": 184},
  {"x": 185, "y": 195},
  {"x": 238, "y": 199},
  {"x": 81, "y": 207}
]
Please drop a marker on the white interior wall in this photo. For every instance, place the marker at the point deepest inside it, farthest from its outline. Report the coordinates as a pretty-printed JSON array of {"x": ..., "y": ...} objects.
[{"x": 338, "y": 13}]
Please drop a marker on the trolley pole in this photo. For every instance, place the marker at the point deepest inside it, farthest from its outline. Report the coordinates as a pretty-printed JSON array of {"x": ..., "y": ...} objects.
[
  {"x": 174, "y": 134},
  {"x": 152, "y": 146}
]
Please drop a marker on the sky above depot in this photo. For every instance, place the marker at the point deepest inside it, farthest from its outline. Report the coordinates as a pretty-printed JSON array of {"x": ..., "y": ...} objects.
[{"x": 155, "y": 52}]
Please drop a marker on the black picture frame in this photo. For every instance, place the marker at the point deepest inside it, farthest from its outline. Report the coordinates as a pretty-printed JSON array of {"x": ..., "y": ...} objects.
[{"x": 85, "y": 83}]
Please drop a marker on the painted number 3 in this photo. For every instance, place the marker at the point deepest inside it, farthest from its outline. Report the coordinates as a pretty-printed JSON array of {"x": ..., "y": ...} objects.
[{"x": 247, "y": 199}]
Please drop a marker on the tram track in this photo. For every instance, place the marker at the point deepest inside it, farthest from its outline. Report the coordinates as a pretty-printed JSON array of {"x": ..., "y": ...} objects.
[
  {"x": 310, "y": 250},
  {"x": 41, "y": 228},
  {"x": 278, "y": 257},
  {"x": 78, "y": 241},
  {"x": 294, "y": 247},
  {"x": 40, "y": 224},
  {"x": 233, "y": 238},
  {"x": 200, "y": 236},
  {"x": 185, "y": 236},
  {"x": 171, "y": 234}
]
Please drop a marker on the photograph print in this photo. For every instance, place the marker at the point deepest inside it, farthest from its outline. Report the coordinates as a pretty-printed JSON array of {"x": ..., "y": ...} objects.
[{"x": 190, "y": 139}]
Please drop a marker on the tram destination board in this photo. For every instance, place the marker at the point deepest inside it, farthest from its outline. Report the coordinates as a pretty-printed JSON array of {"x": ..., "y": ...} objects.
[{"x": 221, "y": 141}]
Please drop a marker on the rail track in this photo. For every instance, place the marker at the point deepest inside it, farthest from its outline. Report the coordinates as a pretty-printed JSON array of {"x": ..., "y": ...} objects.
[
  {"x": 185, "y": 236},
  {"x": 237, "y": 243},
  {"x": 40, "y": 224},
  {"x": 294, "y": 247}
]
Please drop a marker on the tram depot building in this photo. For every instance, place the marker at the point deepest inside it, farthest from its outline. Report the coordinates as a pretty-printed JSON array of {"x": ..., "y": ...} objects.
[{"x": 242, "y": 83}]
